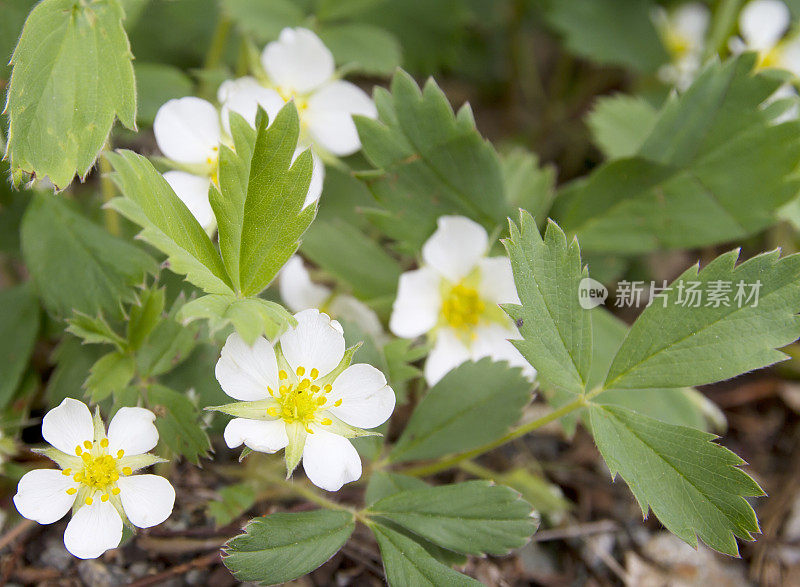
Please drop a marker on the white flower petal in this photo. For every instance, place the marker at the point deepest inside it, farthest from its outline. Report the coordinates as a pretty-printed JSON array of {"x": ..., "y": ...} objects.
[
  {"x": 352, "y": 310},
  {"x": 132, "y": 430},
  {"x": 763, "y": 23},
  {"x": 245, "y": 372},
  {"x": 298, "y": 61},
  {"x": 231, "y": 86},
  {"x": 790, "y": 56},
  {"x": 297, "y": 290},
  {"x": 262, "y": 435},
  {"x": 497, "y": 281},
  {"x": 454, "y": 249},
  {"x": 146, "y": 499},
  {"x": 42, "y": 495},
  {"x": 418, "y": 303},
  {"x": 193, "y": 191},
  {"x": 691, "y": 22},
  {"x": 330, "y": 116},
  {"x": 315, "y": 343},
  {"x": 448, "y": 353},
  {"x": 367, "y": 401},
  {"x": 245, "y": 101},
  {"x": 187, "y": 130},
  {"x": 492, "y": 340},
  {"x": 68, "y": 425},
  {"x": 330, "y": 460},
  {"x": 317, "y": 179},
  {"x": 93, "y": 529}
]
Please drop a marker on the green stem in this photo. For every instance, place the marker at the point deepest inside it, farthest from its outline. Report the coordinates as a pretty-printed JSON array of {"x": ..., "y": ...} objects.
[
  {"x": 298, "y": 488},
  {"x": 213, "y": 60},
  {"x": 107, "y": 189},
  {"x": 450, "y": 462}
]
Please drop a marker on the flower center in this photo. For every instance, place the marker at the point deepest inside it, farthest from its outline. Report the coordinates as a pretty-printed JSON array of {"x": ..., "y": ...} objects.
[
  {"x": 462, "y": 307},
  {"x": 677, "y": 44},
  {"x": 100, "y": 470},
  {"x": 769, "y": 58},
  {"x": 300, "y": 401}
]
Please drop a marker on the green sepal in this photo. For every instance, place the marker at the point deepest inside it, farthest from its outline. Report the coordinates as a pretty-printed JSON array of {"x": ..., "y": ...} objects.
[
  {"x": 294, "y": 450},
  {"x": 61, "y": 459},
  {"x": 256, "y": 410},
  {"x": 343, "y": 364},
  {"x": 138, "y": 462},
  {"x": 99, "y": 425},
  {"x": 342, "y": 429}
]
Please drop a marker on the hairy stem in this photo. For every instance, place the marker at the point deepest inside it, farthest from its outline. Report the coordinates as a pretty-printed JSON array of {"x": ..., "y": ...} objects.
[
  {"x": 455, "y": 460},
  {"x": 107, "y": 189}
]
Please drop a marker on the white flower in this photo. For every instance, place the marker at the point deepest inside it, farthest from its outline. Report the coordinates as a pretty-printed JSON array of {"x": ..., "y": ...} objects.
[
  {"x": 188, "y": 132},
  {"x": 301, "y": 68},
  {"x": 454, "y": 298},
  {"x": 763, "y": 25},
  {"x": 302, "y": 396},
  {"x": 97, "y": 479},
  {"x": 300, "y": 293},
  {"x": 683, "y": 32}
]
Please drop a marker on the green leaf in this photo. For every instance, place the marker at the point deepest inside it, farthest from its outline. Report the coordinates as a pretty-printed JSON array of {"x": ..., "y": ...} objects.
[
  {"x": 169, "y": 343},
  {"x": 72, "y": 363},
  {"x": 178, "y": 423},
  {"x": 609, "y": 31},
  {"x": 19, "y": 325},
  {"x": 94, "y": 330},
  {"x": 234, "y": 501},
  {"x": 672, "y": 345},
  {"x": 352, "y": 258},
  {"x": 157, "y": 84},
  {"x": 528, "y": 185},
  {"x": 557, "y": 332},
  {"x": 167, "y": 223},
  {"x": 407, "y": 563},
  {"x": 385, "y": 483},
  {"x": 265, "y": 19},
  {"x": 281, "y": 547},
  {"x": 727, "y": 148},
  {"x": 59, "y": 245},
  {"x": 693, "y": 486},
  {"x": 72, "y": 76},
  {"x": 261, "y": 221},
  {"x": 110, "y": 373},
  {"x": 620, "y": 124},
  {"x": 252, "y": 317},
  {"x": 144, "y": 315},
  {"x": 475, "y": 517},
  {"x": 12, "y": 17},
  {"x": 473, "y": 404},
  {"x": 433, "y": 162},
  {"x": 362, "y": 48}
]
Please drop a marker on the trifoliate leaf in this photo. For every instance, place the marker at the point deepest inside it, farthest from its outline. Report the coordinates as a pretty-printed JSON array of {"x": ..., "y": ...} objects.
[
  {"x": 94, "y": 330},
  {"x": 59, "y": 244},
  {"x": 556, "y": 330},
  {"x": 675, "y": 344},
  {"x": 385, "y": 483},
  {"x": 261, "y": 208},
  {"x": 474, "y": 517},
  {"x": 19, "y": 325},
  {"x": 620, "y": 124},
  {"x": 167, "y": 223},
  {"x": 433, "y": 162},
  {"x": 728, "y": 149},
  {"x": 408, "y": 563},
  {"x": 473, "y": 404},
  {"x": 281, "y": 547},
  {"x": 693, "y": 486},
  {"x": 72, "y": 76}
]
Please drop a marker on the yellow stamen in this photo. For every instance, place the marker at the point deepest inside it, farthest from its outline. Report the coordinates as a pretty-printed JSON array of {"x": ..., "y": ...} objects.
[
  {"x": 104, "y": 443},
  {"x": 88, "y": 501},
  {"x": 328, "y": 388},
  {"x": 462, "y": 307},
  {"x": 78, "y": 450},
  {"x": 326, "y": 422},
  {"x": 337, "y": 403},
  {"x": 104, "y": 498},
  {"x": 300, "y": 371},
  {"x": 67, "y": 472},
  {"x": 314, "y": 373},
  {"x": 72, "y": 491},
  {"x": 87, "y": 444},
  {"x": 282, "y": 375},
  {"x": 272, "y": 412},
  {"x": 120, "y": 453},
  {"x": 115, "y": 491},
  {"x": 127, "y": 470}
]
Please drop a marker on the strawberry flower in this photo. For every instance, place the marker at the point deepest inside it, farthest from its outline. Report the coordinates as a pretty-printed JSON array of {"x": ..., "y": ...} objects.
[
  {"x": 303, "y": 396},
  {"x": 683, "y": 32},
  {"x": 454, "y": 298},
  {"x": 96, "y": 480}
]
